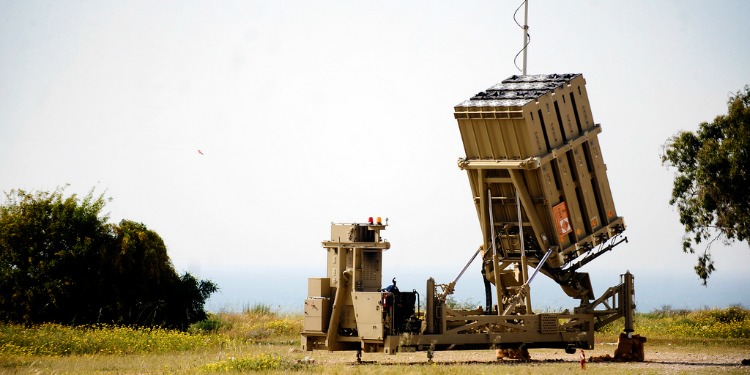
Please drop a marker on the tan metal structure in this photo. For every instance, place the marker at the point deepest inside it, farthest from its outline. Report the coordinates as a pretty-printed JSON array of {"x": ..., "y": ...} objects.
[
  {"x": 533, "y": 139},
  {"x": 348, "y": 309},
  {"x": 544, "y": 205}
]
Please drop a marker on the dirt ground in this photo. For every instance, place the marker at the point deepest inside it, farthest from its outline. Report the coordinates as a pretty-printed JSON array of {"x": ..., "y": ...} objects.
[{"x": 662, "y": 358}]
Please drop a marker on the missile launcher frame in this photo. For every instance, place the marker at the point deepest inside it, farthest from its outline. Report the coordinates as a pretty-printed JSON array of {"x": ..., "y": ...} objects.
[{"x": 542, "y": 197}]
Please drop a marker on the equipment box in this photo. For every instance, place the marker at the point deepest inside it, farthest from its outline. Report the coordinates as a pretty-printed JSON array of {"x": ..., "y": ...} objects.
[
  {"x": 316, "y": 314},
  {"x": 318, "y": 287}
]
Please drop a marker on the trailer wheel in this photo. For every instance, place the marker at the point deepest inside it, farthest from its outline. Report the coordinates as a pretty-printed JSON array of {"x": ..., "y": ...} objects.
[{"x": 570, "y": 349}]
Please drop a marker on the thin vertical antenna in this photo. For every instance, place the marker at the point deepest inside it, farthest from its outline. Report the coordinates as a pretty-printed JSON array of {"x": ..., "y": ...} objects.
[
  {"x": 525, "y": 32},
  {"x": 526, "y": 35}
]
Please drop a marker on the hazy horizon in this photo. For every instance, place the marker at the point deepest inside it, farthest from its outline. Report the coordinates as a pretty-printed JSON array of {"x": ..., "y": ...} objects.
[{"x": 285, "y": 289}]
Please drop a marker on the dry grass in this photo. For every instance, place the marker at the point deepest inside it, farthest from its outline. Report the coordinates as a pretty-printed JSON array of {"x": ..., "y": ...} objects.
[{"x": 261, "y": 340}]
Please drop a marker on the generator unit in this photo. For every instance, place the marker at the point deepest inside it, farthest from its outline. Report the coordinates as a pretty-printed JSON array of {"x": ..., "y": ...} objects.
[
  {"x": 543, "y": 201},
  {"x": 349, "y": 309}
]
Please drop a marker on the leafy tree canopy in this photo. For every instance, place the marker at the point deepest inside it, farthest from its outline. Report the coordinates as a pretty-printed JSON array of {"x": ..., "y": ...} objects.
[
  {"x": 61, "y": 261},
  {"x": 712, "y": 185}
]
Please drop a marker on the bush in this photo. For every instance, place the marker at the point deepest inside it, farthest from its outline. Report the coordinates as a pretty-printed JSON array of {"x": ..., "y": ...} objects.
[
  {"x": 62, "y": 262},
  {"x": 733, "y": 314},
  {"x": 210, "y": 325},
  {"x": 259, "y": 309},
  {"x": 260, "y": 326},
  {"x": 668, "y": 323},
  {"x": 55, "y": 339},
  {"x": 666, "y": 311},
  {"x": 261, "y": 362},
  {"x": 467, "y": 304}
]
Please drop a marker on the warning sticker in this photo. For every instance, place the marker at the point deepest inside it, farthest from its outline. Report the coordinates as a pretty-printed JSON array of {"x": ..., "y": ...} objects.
[{"x": 560, "y": 214}]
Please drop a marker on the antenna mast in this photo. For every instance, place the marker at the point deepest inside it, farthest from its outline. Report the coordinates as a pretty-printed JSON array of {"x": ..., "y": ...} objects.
[{"x": 525, "y": 32}]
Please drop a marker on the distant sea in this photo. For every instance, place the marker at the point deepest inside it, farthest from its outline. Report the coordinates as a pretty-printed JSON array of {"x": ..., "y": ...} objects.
[{"x": 284, "y": 289}]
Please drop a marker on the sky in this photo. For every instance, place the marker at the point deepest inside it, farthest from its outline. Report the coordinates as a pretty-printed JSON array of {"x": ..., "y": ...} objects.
[{"x": 307, "y": 113}]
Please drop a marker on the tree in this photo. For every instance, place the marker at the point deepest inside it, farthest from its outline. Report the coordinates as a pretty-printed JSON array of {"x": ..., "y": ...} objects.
[
  {"x": 712, "y": 185},
  {"x": 142, "y": 274},
  {"x": 189, "y": 296},
  {"x": 48, "y": 247},
  {"x": 150, "y": 291},
  {"x": 60, "y": 261}
]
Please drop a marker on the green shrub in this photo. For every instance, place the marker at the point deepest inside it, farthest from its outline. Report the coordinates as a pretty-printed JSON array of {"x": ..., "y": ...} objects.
[
  {"x": 55, "y": 339},
  {"x": 467, "y": 304},
  {"x": 668, "y": 323},
  {"x": 260, "y": 362},
  {"x": 211, "y": 325},
  {"x": 259, "y": 309},
  {"x": 733, "y": 314},
  {"x": 666, "y": 311},
  {"x": 259, "y": 324}
]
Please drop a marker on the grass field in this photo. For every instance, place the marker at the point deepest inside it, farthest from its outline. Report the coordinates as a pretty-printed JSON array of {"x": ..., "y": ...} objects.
[{"x": 260, "y": 340}]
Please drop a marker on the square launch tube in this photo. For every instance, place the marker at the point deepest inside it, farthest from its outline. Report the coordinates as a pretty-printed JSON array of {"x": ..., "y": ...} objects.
[{"x": 535, "y": 136}]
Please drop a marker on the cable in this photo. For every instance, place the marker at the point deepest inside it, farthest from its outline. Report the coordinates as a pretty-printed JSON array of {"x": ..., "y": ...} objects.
[
  {"x": 516, "y": 12},
  {"x": 528, "y": 40}
]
